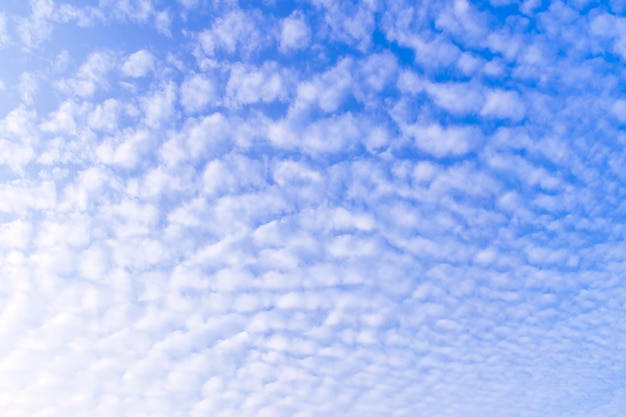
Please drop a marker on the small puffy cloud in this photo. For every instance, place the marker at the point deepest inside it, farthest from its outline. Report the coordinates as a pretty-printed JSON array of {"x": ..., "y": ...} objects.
[
  {"x": 196, "y": 92},
  {"x": 236, "y": 32},
  {"x": 104, "y": 116},
  {"x": 38, "y": 26},
  {"x": 295, "y": 32},
  {"x": 442, "y": 141},
  {"x": 352, "y": 23},
  {"x": 530, "y": 5},
  {"x": 45, "y": 15},
  {"x": 619, "y": 110},
  {"x": 505, "y": 42},
  {"x": 468, "y": 63},
  {"x": 461, "y": 19},
  {"x": 163, "y": 22},
  {"x": 327, "y": 90},
  {"x": 126, "y": 149},
  {"x": 158, "y": 106},
  {"x": 19, "y": 124},
  {"x": 138, "y": 64},
  {"x": 188, "y": 4},
  {"x": 377, "y": 138},
  {"x": 248, "y": 84},
  {"x": 603, "y": 25},
  {"x": 410, "y": 82},
  {"x": 207, "y": 137},
  {"x": 379, "y": 70},
  {"x": 232, "y": 174},
  {"x": 15, "y": 155},
  {"x": 328, "y": 135},
  {"x": 138, "y": 10},
  {"x": 63, "y": 120},
  {"x": 457, "y": 98},
  {"x": 90, "y": 77},
  {"x": 433, "y": 53},
  {"x": 609, "y": 27},
  {"x": 503, "y": 104}
]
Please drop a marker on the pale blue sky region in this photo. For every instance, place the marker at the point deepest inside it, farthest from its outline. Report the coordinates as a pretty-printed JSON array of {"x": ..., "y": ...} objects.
[{"x": 312, "y": 208}]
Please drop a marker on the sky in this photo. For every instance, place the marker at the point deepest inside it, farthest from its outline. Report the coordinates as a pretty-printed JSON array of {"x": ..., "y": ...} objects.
[{"x": 311, "y": 208}]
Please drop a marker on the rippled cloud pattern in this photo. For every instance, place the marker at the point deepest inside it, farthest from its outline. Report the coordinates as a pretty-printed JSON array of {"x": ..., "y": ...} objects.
[{"x": 312, "y": 208}]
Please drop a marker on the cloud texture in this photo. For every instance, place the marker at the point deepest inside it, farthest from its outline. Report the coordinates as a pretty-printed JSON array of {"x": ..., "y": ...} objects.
[{"x": 312, "y": 208}]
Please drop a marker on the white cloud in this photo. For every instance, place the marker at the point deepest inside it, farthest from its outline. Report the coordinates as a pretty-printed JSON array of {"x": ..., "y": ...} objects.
[
  {"x": 442, "y": 141},
  {"x": 16, "y": 234},
  {"x": 84, "y": 17},
  {"x": 18, "y": 139},
  {"x": 19, "y": 123},
  {"x": 73, "y": 231},
  {"x": 410, "y": 82},
  {"x": 503, "y": 104},
  {"x": 22, "y": 196},
  {"x": 138, "y": 10},
  {"x": 462, "y": 19},
  {"x": 379, "y": 70},
  {"x": 126, "y": 150},
  {"x": 234, "y": 32},
  {"x": 63, "y": 120},
  {"x": 459, "y": 98},
  {"x": 200, "y": 139},
  {"x": 327, "y": 90},
  {"x": 505, "y": 42},
  {"x": 197, "y": 92},
  {"x": 15, "y": 155},
  {"x": 432, "y": 52},
  {"x": 232, "y": 174},
  {"x": 350, "y": 23},
  {"x": 105, "y": 116},
  {"x": 330, "y": 135},
  {"x": 138, "y": 64},
  {"x": 158, "y": 107},
  {"x": 248, "y": 85},
  {"x": 469, "y": 64},
  {"x": 163, "y": 23},
  {"x": 603, "y": 25},
  {"x": 38, "y": 26},
  {"x": 189, "y": 4},
  {"x": 295, "y": 32},
  {"x": 90, "y": 77},
  {"x": 619, "y": 110}
]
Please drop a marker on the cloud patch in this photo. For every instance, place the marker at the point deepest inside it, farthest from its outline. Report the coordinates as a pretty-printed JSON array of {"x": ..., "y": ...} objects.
[{"x": 138, "y": 64}]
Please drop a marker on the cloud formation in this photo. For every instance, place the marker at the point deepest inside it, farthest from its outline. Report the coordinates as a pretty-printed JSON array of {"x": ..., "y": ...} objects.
[{"x": 312, "y": 208}]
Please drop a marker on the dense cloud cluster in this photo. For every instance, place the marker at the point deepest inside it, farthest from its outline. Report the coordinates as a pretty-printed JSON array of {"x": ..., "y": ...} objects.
[{"x": 312, "y": 208}]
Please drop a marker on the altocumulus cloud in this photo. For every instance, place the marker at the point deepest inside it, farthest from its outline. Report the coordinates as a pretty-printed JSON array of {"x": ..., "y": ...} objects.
[{"x": 312, "y": 208}]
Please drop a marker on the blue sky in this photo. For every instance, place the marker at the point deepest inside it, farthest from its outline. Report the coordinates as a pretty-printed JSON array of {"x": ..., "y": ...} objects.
[{"x": 312, "y": 208}]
